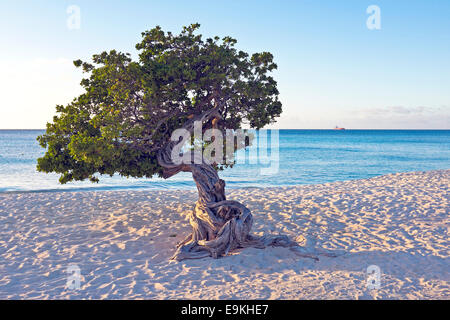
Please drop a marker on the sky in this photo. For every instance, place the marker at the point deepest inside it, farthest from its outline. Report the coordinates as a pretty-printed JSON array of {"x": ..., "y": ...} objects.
[{"x": 337, "y": 63}]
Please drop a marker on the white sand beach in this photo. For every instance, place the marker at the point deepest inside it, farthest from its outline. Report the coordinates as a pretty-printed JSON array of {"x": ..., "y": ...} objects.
[{"x": 122, "y": 242}]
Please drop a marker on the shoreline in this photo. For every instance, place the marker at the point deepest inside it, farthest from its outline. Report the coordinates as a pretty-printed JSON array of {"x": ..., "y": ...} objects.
[
  {"x": 193, "y": 188},
  {"x": 122, "y": 242}
]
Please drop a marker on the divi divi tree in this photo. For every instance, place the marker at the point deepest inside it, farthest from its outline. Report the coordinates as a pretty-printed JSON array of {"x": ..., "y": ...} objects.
[{"x": 124, "y": 120}]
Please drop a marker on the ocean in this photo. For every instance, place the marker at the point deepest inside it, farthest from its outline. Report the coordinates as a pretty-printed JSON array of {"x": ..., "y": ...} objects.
[{"x": 305, "y": 157}]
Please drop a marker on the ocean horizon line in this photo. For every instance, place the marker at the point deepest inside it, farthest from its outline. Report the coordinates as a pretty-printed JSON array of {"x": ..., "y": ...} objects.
[
  {"x": 192, "y": 187},
  {"x": 286, "y": 129}
]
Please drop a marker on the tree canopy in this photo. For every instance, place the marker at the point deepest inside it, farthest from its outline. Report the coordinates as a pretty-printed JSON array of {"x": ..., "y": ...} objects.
[{"x": 129, "y": 109}]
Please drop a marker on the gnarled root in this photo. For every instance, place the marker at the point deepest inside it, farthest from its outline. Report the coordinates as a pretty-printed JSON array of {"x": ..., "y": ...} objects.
[
  {"x": 219, "y": 225},
  {"x": 224, "y": 226}
]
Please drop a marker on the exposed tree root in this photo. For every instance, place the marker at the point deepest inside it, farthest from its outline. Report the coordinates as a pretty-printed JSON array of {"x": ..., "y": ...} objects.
[{"x": 220, "y": 225}]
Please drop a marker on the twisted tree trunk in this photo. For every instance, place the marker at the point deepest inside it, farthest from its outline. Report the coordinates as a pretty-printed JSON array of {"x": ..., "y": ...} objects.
[{"x": 219, "y": 225}]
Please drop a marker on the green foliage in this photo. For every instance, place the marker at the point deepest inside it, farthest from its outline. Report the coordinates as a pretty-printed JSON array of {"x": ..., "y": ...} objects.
[{"x": 130, "y": 108}]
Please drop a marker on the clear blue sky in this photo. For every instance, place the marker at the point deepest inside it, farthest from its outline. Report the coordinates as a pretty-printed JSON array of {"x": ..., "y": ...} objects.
[{"x": 333, "y": 70}]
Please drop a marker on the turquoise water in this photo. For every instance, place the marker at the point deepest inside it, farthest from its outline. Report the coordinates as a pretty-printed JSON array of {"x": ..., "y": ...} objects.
[{"x": 305, "y": 157}]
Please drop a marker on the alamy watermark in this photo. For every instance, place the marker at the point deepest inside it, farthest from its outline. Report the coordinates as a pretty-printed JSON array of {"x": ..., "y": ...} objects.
[
  {"x": 73, "y": 21},
  {"x": 373, "y": 22},
  {"x": 227, "y": 147},
  {"x": 73, "y": 277},
  {"x": 373, "y": 274}
]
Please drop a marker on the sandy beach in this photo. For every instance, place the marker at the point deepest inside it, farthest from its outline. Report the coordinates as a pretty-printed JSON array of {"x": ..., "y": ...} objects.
[{"x": 122, "y": 242}]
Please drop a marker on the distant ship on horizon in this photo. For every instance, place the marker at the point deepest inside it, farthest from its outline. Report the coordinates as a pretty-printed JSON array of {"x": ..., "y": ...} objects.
[{"x": 339, "y": 128}]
